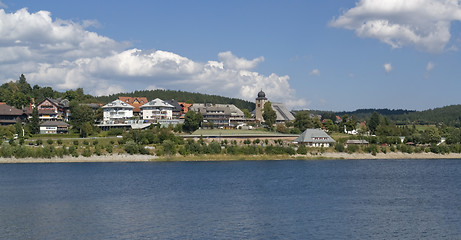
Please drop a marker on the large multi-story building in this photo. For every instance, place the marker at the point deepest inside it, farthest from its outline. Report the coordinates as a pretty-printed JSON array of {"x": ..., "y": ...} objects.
[
  {"x": 219, "y": 115},
  {"x": 117, "y": 112},
  {"x": 157, "y": 109}
]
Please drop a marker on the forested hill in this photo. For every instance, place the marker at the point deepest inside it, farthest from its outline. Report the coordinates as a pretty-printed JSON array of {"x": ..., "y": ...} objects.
[
  {"x": 366, "y": 113},
  {"x": 449, "y": 115},
  {"x": 181, "y": 96}
]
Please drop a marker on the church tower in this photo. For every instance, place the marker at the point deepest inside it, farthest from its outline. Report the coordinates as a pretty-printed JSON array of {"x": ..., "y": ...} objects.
[{"x": 260, "y": 101}]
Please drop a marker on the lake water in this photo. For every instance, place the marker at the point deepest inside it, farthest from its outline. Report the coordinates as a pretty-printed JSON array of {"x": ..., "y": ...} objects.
[{"x": 343, "y": 199}]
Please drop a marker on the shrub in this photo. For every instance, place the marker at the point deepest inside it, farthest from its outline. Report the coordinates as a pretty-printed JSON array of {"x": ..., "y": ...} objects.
[
  {"x": 95, "y": 142},
  {"x": 339, "y": 147},
  {"x": 109, "y": 148},
  {"x": 131, "y": 147},
  {"x": 39, "y": 142},
  {"x": 59, "y": 141},
  {"x": 169, "y": 147},
  {"x": 352, "y": 148},
  {"x": 86, "y": 152},
  {"x": 49, "y": 141},
  {"x": 76, "y": 142},
  {"x": 85, "y": 142},
  {"x": 302, "y": 149}
]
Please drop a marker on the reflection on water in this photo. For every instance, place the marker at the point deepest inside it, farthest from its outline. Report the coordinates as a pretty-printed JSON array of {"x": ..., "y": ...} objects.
[{"x": 357, "y": 199}]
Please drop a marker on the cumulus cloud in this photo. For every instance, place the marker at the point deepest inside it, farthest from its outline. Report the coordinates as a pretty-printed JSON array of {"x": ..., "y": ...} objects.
[
  {"x": 387, "y": 67},
  {"x": 315, "y": 72},
  {"x": 424, "y": 24},
  {"x": 65, "y": 55},
  {"x": 232, "y": 62}
]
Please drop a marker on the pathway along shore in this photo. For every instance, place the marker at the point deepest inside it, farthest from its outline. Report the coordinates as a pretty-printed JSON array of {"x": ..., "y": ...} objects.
[{"x": 147, "y": 158}]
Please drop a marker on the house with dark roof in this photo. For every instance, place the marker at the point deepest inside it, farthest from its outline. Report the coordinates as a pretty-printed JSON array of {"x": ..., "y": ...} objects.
[
  {"x": 314, "y": 138},
  {"x": 177, "y": 109},
  {"x": 54, "y": 127},
  {"x": 219, "y": 115},
  {"x": 54, "y": 109},
  {"x": 11, "y": 115},
  {"x": 136, "y": 102}
]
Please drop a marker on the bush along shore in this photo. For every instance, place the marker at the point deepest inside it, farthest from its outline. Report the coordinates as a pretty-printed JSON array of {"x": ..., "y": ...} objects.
[{"x": 161, "y": 144}]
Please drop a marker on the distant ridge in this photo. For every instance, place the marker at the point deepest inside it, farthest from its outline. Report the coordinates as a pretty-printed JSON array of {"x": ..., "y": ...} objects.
[
  {"x": 181, "y": 96},
  {"x": 449, "y": 115}
]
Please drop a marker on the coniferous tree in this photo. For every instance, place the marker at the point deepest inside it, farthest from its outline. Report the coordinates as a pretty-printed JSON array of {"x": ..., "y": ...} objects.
[{"x": 34, "y": 122}]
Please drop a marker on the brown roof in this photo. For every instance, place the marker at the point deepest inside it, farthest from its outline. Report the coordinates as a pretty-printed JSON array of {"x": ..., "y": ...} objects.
[
  {"x": 6, "y": 109},
  {"x": 136, "y": 102}
]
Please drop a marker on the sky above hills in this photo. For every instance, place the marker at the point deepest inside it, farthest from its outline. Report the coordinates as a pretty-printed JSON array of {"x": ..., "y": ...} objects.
[{"x": 326, "y": 55}]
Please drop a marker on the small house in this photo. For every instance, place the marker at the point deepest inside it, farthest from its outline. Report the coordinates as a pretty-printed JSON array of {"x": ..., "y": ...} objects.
[
  {"x": 314, "y": 138},
  {"x": 54, "y": 127}
]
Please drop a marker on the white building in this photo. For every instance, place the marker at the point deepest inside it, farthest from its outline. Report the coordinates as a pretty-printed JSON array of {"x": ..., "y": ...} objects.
[
  {"x": 314, "y": 138},
  {"x": 117, "y": 112},
  {"x": 157, "y": 109}
]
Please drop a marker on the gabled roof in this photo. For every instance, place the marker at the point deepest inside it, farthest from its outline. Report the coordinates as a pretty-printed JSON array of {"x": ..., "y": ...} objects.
[
  {"x": 217, "y": 109},
  {"x": 136, "y": 102},
  {"x": 314, "y": 136},
  {"x": 158, "y": 103},
  {"x": 117, "y": 104},
  {"x": 282, "y": 112},
  {"x": 60, "y": 103},
  {"x": 7, "y": 110},
  {"x": 175, "y": 104}
]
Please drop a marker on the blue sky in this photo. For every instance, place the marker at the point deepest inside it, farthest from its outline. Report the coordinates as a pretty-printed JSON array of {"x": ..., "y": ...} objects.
[{"x": 326, "y": 55}]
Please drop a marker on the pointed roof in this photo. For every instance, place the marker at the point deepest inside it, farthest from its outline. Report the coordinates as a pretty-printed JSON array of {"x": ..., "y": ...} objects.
[
  {"x": 117, "y": 103},
  {"x": 314, "y": 136},
  {"x": 157, "y": 103},
  {"x": 136, "y": 102}
]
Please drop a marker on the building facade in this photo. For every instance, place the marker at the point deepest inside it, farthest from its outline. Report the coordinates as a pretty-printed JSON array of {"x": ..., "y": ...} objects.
[
  {"x": 219, "y": 115},
  {"x": 117, "y": 112},
  {"x": 314, "y": 138},
  {"x": 157, "y": 109},
  {"x": 54, "y": 110}
]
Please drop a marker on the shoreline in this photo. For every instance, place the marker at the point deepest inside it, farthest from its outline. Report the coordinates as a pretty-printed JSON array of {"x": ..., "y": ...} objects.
[{"x": 225, "y": 157}]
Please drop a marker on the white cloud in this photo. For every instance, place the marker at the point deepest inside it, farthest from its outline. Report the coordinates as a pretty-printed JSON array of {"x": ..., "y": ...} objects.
[
  {"x": 387, "y": 67},
  {"x": 315, "y": 72},
  {"x": 429, "y": 66},
  {"x": 232, "y": 62},
  {"x": 424, "y": 24},
  {"x": 64, "y": 55}
]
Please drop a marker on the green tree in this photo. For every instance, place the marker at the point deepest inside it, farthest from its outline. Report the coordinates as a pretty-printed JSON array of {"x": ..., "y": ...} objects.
[
  {"x": 34, "y": 122},
  {"x": 303, "y": 121},
  {"x": 246, "y": 113},
  {"x": 82, "y": 118},
  {"x": 192, "y": 121},
  {"x": 374, "y": 122},
  {"x": 269, "y": 114}
]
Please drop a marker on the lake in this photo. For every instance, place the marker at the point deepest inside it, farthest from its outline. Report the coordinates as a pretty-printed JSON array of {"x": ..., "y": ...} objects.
[{"x": 325, "y": 199}]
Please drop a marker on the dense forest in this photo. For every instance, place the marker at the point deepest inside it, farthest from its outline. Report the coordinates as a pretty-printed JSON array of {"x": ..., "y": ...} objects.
[
  {"x": 181, "y": 96},
  {"x": 448, "y": 115}
]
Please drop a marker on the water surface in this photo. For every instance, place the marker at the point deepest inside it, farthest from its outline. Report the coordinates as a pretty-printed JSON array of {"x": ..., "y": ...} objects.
[{"x": 343, "y": 199}]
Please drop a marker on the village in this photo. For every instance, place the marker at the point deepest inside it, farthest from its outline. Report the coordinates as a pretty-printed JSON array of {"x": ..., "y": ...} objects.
[{"x": 157, "y": 127}]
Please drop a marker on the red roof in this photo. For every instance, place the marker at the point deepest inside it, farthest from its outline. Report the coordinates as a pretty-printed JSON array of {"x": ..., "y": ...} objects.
[{"x": 136, "y": 102}]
